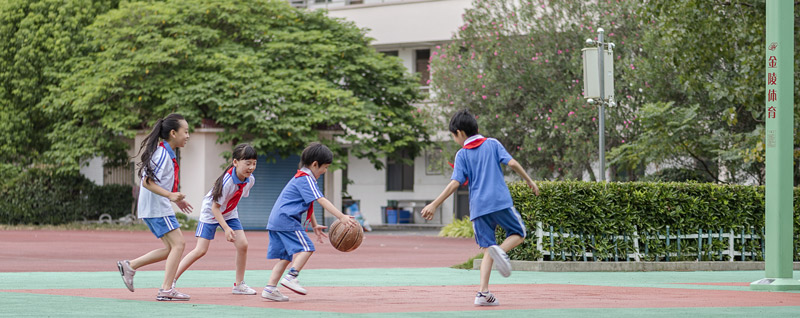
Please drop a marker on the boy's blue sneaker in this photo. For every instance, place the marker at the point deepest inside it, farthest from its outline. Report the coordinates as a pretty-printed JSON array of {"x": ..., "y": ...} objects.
[
  {"x": 486, "y": 299},
  {"x": 501, "y": 261}
]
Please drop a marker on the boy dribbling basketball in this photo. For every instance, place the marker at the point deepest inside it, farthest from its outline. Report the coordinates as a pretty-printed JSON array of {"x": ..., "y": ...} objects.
[
  {"x": 490, "y": 201},
  {"x": 288, "y": 241}
]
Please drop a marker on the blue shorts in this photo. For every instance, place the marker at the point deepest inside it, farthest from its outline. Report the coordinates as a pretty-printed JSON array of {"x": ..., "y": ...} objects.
[
  {"x": 508, "y": 219},
  {"x": 207, "y": 230},
  {"x": 162, "y": 225},
  {"x": 284, "y": 244}
]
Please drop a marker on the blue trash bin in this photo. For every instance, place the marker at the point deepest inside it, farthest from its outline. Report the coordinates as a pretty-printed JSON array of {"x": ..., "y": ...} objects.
[
  {"x": 391, "y": 216},
  {"x": 404, "y": 216}
]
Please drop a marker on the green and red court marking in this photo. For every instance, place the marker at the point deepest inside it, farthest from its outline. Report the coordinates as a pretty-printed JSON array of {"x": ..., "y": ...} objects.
[{"x": 66, "y": 273}]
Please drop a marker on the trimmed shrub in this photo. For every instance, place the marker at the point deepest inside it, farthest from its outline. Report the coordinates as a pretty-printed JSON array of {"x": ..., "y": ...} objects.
[
  {"x": 597, "y": 214},
  {"x": 37, "y": 196},
  {"x": 113, "y": 199}
]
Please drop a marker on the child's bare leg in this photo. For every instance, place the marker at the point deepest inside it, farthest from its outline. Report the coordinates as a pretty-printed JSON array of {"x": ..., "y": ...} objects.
[
  {"x": 486, "y": 270},
  {"x": 277, "y": 272},
  {"x": 511, "y": 242},
  {"x": 200, "y": 250},
  {"x": 300, "y": 260},
  {"x": 486, "y": 265},
  {"x": 174, "y": 239},
  {"x": 241, "y": 254},
  {"x": 151, "y": 257}
]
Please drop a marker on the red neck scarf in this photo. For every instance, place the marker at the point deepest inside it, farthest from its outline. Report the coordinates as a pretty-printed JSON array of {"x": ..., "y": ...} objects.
[
  {"x": 471, "y": 145},
  {"x": 236, "y": 195},
  {"x": 475, "y": 143},
  {"x": 176, "y": 168},
  {"x": 310, "y": 207}
]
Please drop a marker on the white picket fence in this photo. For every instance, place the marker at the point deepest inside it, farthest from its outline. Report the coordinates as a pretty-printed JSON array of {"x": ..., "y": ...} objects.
[{"x": 705, "y": 237}]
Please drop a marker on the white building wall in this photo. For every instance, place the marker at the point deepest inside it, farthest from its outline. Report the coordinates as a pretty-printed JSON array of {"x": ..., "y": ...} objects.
[
  {"x": 201, "y": 165},
  {"x": 94, "y": 170},
  {"x": 369, "y": 187},
  {"x": 412, "y": 22}
]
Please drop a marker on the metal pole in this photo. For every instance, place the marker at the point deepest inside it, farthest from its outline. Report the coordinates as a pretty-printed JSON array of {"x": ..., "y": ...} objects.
[
  {"x": 602, "y": 116},
  {"x": 779, "y": 62}
]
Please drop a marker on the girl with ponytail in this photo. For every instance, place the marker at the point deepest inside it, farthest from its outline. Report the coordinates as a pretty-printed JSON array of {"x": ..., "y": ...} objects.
[
  {"x": 157, "y": 190},
  {"x": 220, "y": 210}
]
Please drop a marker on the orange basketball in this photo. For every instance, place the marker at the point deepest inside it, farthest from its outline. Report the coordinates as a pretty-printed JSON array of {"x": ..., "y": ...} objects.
[{"x": 344, "y": 238}]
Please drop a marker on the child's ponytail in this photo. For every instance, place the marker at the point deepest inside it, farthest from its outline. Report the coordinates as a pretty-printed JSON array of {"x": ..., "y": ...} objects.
[
  {"x": 216, "y": 192},
  {"x": 241, "y": 152},
  {"x": 161, "y": 130}
]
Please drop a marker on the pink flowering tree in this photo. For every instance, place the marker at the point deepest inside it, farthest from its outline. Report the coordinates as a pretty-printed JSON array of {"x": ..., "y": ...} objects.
[{"x": 518, "y": 67}]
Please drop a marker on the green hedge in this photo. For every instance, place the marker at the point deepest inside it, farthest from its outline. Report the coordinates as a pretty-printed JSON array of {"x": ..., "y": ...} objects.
[
  {"x": 37, "y": 196},
  {"x": 599, "y": 214}
]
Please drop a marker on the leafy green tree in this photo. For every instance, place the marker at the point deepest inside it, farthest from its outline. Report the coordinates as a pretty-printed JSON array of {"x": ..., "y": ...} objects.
[
  {"x": 269, "y": 74},
  {"x": 518, "y": 67},
  {"x": 37, "y": 37},
  {"x": 701, "y": 74}
]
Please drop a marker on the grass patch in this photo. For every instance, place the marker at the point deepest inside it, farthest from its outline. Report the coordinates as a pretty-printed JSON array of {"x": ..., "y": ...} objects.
[{"x": 467, "y": 264}]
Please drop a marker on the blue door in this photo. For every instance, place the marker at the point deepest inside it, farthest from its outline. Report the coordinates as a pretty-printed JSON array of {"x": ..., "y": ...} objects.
[{"x": 271, "y": 177}]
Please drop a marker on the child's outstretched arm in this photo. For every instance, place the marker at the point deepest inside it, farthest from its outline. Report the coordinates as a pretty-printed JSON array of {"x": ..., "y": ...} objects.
[
  {"x": 344, "y": 218},
  {"x": 514, "y": 165},
  {"x": 428, "y": 211}
]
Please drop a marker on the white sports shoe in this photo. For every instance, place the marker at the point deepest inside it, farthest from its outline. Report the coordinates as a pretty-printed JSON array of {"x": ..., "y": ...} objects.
[
  {"x": 127, "y": 273},
  {"x": 273, "y": 294},
  {"x": 171, "y": 294},
  {"x": 293, "y": 284},
  {"x": 486, "y": 299},
  {"x": 501, "y": 261},
  {"x": 242, "y": 289}
]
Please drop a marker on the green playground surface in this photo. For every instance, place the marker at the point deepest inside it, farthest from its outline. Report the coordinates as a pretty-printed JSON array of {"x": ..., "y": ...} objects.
[
  {"x": 97, "y": 294},
  {"x": 57, "y": 273}
]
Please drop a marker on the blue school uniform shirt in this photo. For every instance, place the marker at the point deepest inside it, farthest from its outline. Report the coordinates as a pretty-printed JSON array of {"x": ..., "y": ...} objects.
[
  {"x": 151, "y": 205},
  {"x": 295, "y": 198},
  {"x": 488, "y": 191}
]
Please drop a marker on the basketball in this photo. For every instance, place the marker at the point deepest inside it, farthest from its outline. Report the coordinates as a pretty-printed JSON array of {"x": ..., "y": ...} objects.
[{"x": 345, "y": 238}]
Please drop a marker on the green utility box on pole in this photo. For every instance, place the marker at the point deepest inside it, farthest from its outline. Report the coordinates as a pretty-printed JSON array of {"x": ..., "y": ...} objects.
[{"x": 779, "y": 212}]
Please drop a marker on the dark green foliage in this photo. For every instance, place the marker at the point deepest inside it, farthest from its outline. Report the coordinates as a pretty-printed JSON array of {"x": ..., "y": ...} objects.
[
  {"x": 701, "y": 76},
  {"x": 269, "y": 74},
  {"x": 37, "y": 196},
  {"x": 599, "y": 211},
  {"x": 113, "y": 199},
  {"x": 76, "y": 75},
  {"x": 37, "y": 38},
  {"x": 678, "y": 175}
]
